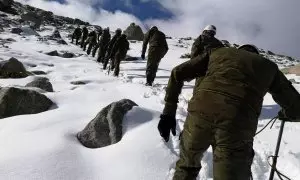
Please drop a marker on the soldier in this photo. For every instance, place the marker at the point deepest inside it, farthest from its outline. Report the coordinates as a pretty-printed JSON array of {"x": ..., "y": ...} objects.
[
  {"x": 158, "y": 47},
  {"x": 91, "y": 41},
  {"x": 100, "y": 31},
  {"x": 224, "y": 110},
  {"x": 76, "y": 34},
  {"x": 85, "y": 33},
  {"x": 110, "y": 45},
  {"x": 104, "y": 40},
  {"x": 119, "y": 52}
]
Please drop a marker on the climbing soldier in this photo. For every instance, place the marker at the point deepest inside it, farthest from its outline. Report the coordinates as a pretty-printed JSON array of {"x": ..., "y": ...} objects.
[
  {"x": 85, "y": 33},
  {"x": 110, "y": 46},
  {"x": 76, "y": 35},
  {"x": 104, "y": 40}
]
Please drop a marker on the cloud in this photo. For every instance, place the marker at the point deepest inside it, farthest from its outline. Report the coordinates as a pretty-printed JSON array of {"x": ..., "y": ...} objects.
[
  {"x": 86, "y": 11},
  {"x": 269, "y": 24}
]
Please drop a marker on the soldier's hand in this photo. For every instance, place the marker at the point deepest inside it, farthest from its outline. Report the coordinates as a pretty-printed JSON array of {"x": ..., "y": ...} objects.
[
  {"x": 166, "y": 124},
  {"x": 143, "y": 56},
  {"x": 282, "y": 115}
]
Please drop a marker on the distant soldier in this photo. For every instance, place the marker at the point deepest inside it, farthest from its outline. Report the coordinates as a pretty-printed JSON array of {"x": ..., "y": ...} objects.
[
  {"x": 110, "y": 46},
  {"x": 119, "y": 51},
  {"x": 104, "y": 40},
  {"x": 91, "y": 41},
  {"x": 85, "y": 33},
  {"x": 158, "y": 48},
  {"x": 76, "y": 35},
  {"x": 100, "y": 31}
]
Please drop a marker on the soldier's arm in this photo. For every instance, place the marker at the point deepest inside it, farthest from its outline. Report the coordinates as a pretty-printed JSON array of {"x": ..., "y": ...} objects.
[
  {"x": 196, "y": 47},
  {"x": 145, "y": 42},
  {"x": 186, "y": 71},
  {"x": 284, "y": 93}
]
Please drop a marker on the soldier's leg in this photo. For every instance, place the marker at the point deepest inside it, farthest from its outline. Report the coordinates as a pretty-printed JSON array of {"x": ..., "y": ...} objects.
[
  {"x": 82, "y": 42},
  {"x": 95, "y": 50},
  {"x": 90, "y": 48},
  {"x": 233, "y": 155},
  {"x": 85, "y": 44},
  {"x": 106, "y": 59},
  {"x": 117, "y": 66},
  {"x": 72, "y": 39},
  {"x": 195, "y": 139}
]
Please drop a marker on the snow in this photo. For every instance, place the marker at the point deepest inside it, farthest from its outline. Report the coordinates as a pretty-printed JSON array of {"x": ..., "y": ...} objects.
[{"x": 44, "y": 145}]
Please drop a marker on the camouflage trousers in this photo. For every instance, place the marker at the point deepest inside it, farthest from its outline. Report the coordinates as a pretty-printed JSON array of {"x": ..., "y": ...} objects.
[
  {"x": 101, "y": 53},
  {"x": 226, "y": 125},
  {"x": 82, "y": 41},
  {"x": 76, "y": 39},
  {"x": 155, "y": 54}
]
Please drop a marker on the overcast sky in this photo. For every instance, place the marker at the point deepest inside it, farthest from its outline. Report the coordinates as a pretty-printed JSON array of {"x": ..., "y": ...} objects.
[{"x": 270, "y": 24}]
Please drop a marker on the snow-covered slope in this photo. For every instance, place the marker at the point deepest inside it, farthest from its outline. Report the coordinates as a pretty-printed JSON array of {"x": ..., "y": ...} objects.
[{"x": 44, "y": 145}]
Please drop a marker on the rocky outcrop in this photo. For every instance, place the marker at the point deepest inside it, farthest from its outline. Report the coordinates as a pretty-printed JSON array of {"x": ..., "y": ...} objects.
[
  {"x": 42, "y": 83},
  {"x": 16, "y": 101},
  {"x": 106, "y": 128},
  {"x": 12, "y": 68},
  {"x": 134, "y": 32}
]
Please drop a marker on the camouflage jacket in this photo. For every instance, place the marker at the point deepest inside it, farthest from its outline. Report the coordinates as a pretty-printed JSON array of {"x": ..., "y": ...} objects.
[
  {"x": 155, "y": 39},
  {"x": 238, "y": 74},
  {"x": 105, "y": 38},
  {"x": 112, "y": 43},
  {"x": 121, "y": 47},
  {"x": 202, "y": 43}
]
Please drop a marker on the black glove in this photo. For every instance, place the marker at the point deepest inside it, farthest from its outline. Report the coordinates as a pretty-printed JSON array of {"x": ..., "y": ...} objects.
[
  {"x": 166, "y": 124},
  {"x": 282, "y": 116},
  {"x": 143, "y": 56}
]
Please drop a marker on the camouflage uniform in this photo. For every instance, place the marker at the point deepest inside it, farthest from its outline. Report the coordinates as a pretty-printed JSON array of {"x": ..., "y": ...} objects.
[
  {"x": 110, "y": 46},
  {"x": 91, "y": 41},
  {"x": 97, "y": 44},
  {"x": 104, "y": 40},
  {"x": 119, "y": 51},
  {"x": 76, "y": 35},
  {"x": 158, "y": 47},
  {"x": 224, "y": 109},
  {"x": 85, "y": 33}
]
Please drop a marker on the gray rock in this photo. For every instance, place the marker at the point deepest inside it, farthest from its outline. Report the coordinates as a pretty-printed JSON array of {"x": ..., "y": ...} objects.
[
  {"x": 5, "y": 5},
  {"x": 68, "y": 55},
  {"x": 52, "y": 53},
  {"x": 12, "y": 68},
  {"x": 134, "y": 32},
  {"x": 39, "y": 72},
  {"x": 16, "y": 30},
  {"x": 56, "y": 34},
  {"x": 16, "y": 101},
  {"x": 106, "y": 128},
  {"x": 79, "y": 82},
  {"x": 42, "y": 83},
  {"x": 32, "y": 17},
  {"x": 28, "y": 31},
  {"x": 225, "y": 43},
  {"x": 61, "y": 41},
  {"x": 185, "y": 56}
]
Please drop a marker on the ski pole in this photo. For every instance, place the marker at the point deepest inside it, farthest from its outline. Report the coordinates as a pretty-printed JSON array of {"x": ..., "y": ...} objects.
[{"x": 273, "y": 168}]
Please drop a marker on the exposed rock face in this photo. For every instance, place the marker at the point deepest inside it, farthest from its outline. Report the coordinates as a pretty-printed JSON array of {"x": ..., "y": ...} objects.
[
  {"x": 16, "y": 30},
  {"x": 42, "y": 83},
  {"x": 12, "y": 68},
  {"x": 106, "y": 128},
  {"x": 33, "y": 18},
  {"x": 15, "y": 101},
  {"x": 134, "y": 32}
]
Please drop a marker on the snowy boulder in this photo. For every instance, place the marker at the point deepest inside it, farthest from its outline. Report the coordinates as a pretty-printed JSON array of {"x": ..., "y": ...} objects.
[
  {"x": 106, "y": 128},
  {"x": 42, "y": 83},
  {"x": 33, "y": 18},
  {"x": 68, "y": 55},
  {"x": 27, "y": 31},
  {"x": 16, "y": 101},
  {"x": 134, "y": 32},
  {"x": 37, "y": 72},
  {"x": 61, "y": 41},
  {"x": 52, "y": 53},
  {"x": 56, "y": 34},
  {"x": 12, "y": 68}
]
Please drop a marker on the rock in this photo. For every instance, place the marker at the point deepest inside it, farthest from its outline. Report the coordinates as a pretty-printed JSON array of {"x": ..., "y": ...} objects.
[
  {"x": 39, "y": 72},
  {"x": 12, "y": 68},
  {"x": 292, "y": 70},
  {"x": 168, "y": 37},
  {"x": 52, "y": 53},
  {"x": 186, "y": 39},
  {"x": 61, "y": 41},
  {"x": 10, "y": 40},
  {"x": 16, "y": 30},
  {"x": 134, "y": 32},
  {"x": 33, "y": 18},
  {"x": 106, "y": 128},
  {"x": 184, "y": 56},
  {"x": 5, "y": 5},
  {"x": 294, "y": 81},
  {"x": 236, "y": 45},
  {"x": 80, "y": 22},
  {"x": 270, "y": 52},
  {"x": 27, "y": 31},
  {"x": 47, "y": 64},
  {"x": 129, "y": 58},
  {"x": 56, "y": 34},
  {"x": 68, "y": 55},
  {"x": 225, "y": 43},
  {"x": 30, "y": 64},
  {"x": 79, "y": 82},
  {"x": 42, "y": 83},
  {"x": 16, "y": 101}
]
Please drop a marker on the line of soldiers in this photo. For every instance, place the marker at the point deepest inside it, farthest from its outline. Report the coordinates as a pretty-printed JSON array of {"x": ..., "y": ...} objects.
[
  {"x": 110, "y": 50},
  {"x": 115, "y": 49}
]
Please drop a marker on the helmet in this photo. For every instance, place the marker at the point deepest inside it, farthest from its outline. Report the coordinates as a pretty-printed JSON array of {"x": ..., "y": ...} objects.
[
  {"x": 210, "y": 28},
  {"x": 250, "y": 48},
  {"x": 154, "y": 28},
  {"x": 119, "y": 31}
]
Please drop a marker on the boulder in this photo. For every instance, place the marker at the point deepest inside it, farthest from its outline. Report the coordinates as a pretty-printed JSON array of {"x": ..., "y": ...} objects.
[
  {"x": 185, "y": 56},
  {"x": 16, "y": 30},
  {"x": 33, "y": 18},
  {"x": 134, "y": 32},
  {"x": 12, "y": 68},
  {"x": 61, "y": 41},
  {"x": 5, "y": 4},
  {"x": 16, "y": 101},
  {"x": 56, "y": 34},
  {"x": 68, "y": 55},
  {"x": 106, "y": 128},
  {"x": 28, "y": 31},
  {"x": 42, "y": 83},
  {"x": 79, "y": 82}
]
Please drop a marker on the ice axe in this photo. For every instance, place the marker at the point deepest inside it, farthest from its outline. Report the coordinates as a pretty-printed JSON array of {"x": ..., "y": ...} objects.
[{"x": 273, "y": 167}]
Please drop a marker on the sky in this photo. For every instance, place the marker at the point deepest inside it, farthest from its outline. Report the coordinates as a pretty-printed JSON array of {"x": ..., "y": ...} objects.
[{"x": 269, "y": 24}]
